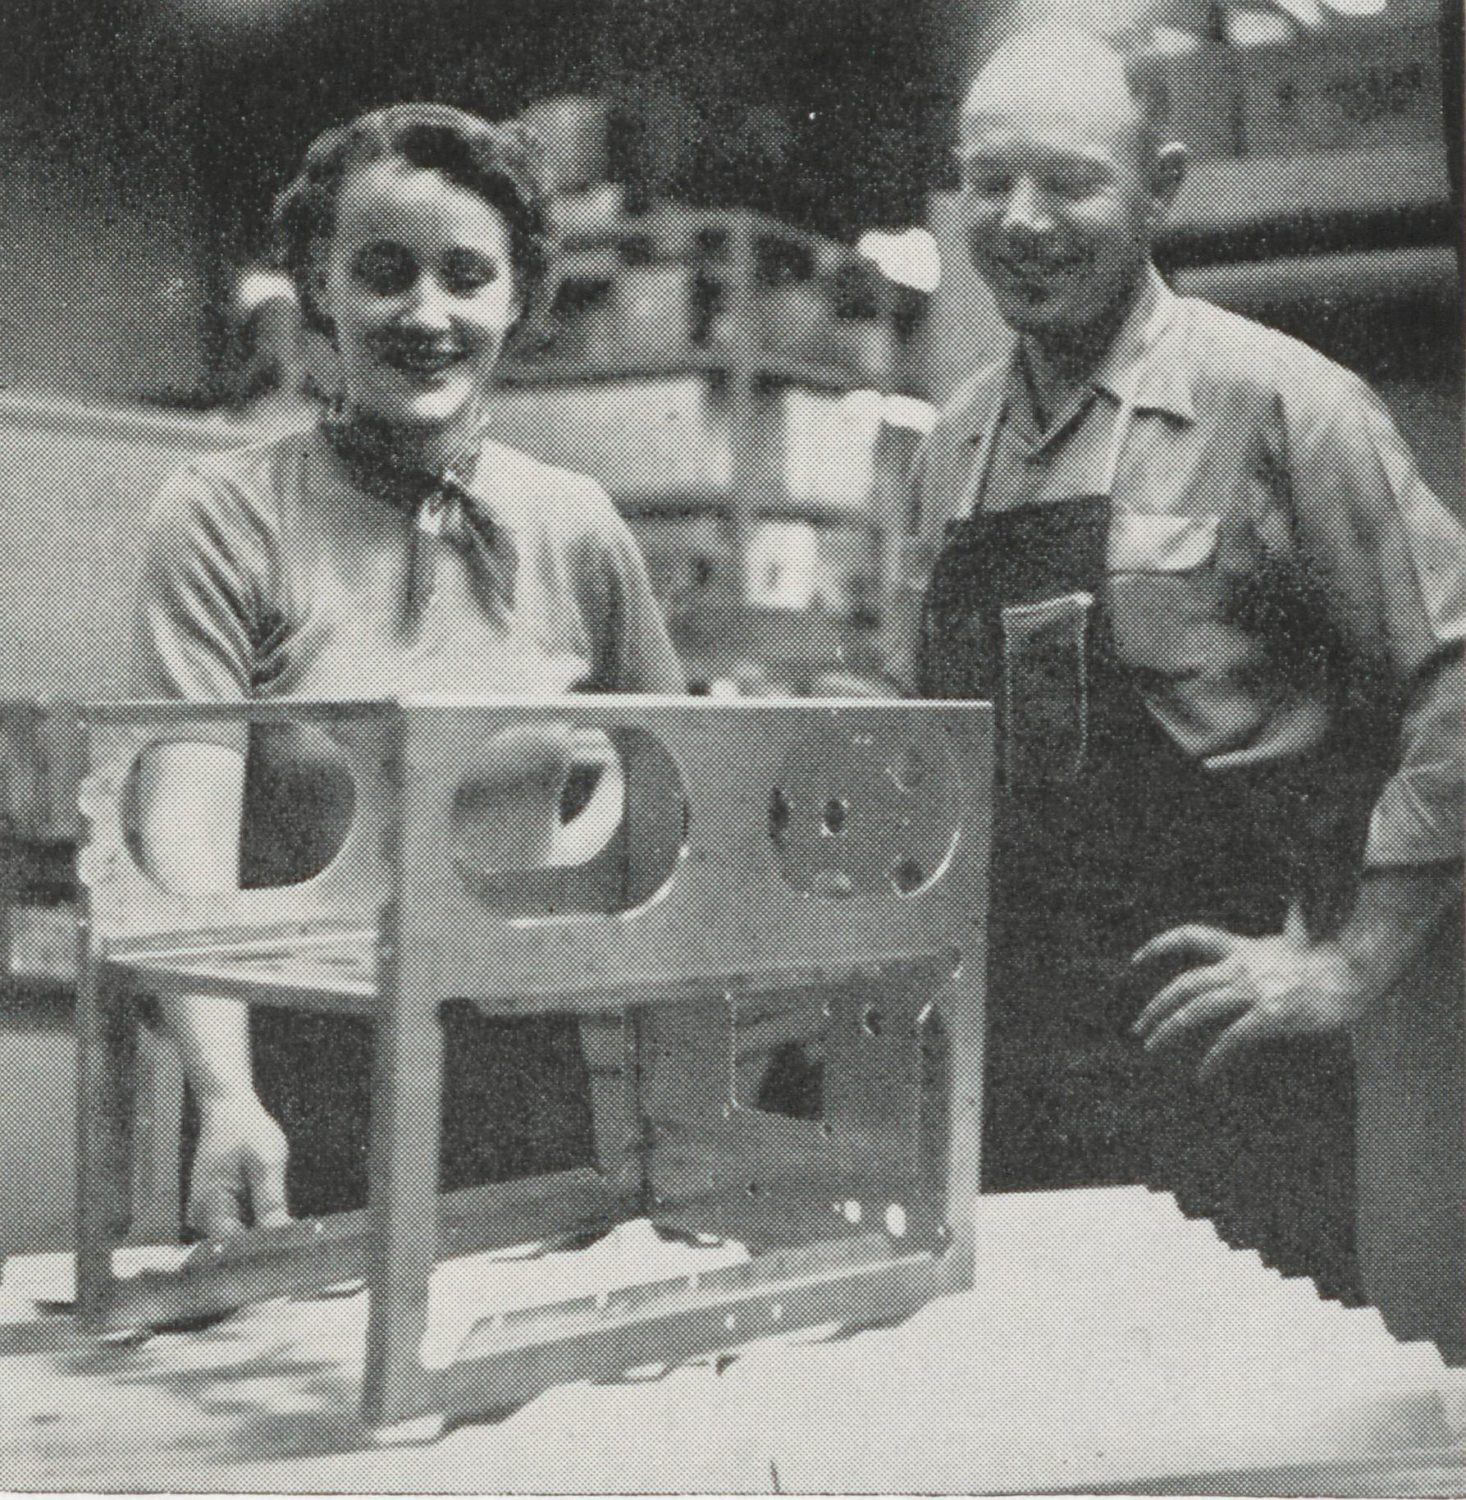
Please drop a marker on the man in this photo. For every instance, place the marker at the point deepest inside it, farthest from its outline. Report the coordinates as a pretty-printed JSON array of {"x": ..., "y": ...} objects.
[{"x": 1192, "y": 562}]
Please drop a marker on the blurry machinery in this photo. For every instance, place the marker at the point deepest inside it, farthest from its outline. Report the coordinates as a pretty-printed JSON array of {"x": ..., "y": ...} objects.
[
  {"x": 855, "y": 837},
  {"x": 722, "y": 375},
  {"x": 41, "y": 754}
]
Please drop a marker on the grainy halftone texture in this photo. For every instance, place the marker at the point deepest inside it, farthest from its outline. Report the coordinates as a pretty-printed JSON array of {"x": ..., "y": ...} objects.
[{"x": 1109, "y": 1340}]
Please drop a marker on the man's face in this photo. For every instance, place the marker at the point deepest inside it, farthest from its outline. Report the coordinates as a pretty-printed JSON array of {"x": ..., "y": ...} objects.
[{"x": 1057, "y": 201}]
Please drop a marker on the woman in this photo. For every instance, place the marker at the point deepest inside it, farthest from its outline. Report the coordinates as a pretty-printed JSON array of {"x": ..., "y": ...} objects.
[{"x": 390, "y": 548}]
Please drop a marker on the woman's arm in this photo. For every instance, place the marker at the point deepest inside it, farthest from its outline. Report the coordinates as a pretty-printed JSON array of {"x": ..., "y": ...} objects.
[
  {"x": 640, "y": 650},
  {"x": 189, "y": 802},
  {"x": 209, "y": 554}
]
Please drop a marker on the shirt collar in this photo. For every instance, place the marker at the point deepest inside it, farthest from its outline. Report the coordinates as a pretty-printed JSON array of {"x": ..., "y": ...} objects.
[
  {"x": 1021, "y": 415},
  {"x": 1146, "y": 361}
]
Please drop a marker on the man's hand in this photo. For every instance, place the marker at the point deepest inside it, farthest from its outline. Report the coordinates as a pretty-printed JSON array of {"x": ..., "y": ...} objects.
[
  {"x": 238, "y": 1178},
  {"x": 1249, "y": 988}
]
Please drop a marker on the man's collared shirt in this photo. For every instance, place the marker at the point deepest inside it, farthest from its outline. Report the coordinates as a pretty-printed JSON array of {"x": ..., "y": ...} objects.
[
  {"x": 1274, "y": 556},
  {"x": 1034, "y": 461}
]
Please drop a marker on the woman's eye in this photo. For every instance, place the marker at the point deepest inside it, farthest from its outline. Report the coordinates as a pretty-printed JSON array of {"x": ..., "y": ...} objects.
[
  {"x": 466, "y": 271},
  {"x": 385, "y": 269}
]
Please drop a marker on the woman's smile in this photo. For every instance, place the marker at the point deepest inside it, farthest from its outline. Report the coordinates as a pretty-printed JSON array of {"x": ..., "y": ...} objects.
[{"x": 427, "y": 363}]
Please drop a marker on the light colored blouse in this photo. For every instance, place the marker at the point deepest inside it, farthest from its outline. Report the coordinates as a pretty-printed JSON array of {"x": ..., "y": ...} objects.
[{"x": 269, "y": 574}]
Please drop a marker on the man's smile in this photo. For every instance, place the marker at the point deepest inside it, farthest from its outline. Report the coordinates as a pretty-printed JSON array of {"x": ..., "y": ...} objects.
[{"x": 1037, "y": 271}]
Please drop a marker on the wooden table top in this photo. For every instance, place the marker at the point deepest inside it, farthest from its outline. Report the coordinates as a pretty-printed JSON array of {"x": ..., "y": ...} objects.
[{"x": 1109, "y": 1344}]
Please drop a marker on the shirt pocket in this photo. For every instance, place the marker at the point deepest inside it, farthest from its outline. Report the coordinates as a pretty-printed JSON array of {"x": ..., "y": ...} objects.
[{"x": 1164, "y": 590}]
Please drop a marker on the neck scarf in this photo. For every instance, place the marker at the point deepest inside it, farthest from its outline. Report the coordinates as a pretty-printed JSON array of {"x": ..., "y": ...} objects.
[{"x": 437, "y": 497}]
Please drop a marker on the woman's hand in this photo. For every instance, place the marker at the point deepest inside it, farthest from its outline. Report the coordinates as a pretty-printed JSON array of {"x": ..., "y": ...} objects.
[
  {"x": 1249, "y": 989},
  {"x": 238, "y": 1178}
]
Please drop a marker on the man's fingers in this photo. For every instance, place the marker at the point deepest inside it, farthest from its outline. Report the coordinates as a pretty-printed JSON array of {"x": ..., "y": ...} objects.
[
  {"x": 1209, "y": 1009},
  {"x": 1242, "y": 1033},
  {"x": 1181, "y": 991},
  {"x": 1193, "y": 940}
]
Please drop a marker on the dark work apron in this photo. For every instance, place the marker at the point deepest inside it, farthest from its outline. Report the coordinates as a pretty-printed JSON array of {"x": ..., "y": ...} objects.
[{"x": 1106, "y": 834}]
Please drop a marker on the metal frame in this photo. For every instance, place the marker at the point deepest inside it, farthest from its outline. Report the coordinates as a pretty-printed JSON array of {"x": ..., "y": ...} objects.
[
  {"x": 786, "y": 873},
  {"x": 41, "y": 751}
]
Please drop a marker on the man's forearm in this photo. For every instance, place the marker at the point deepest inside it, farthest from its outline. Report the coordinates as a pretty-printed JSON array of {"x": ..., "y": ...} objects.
[{"x": 1397, "y": 911}]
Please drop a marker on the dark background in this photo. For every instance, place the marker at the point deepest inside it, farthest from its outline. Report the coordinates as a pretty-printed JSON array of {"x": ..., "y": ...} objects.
[{"x": 824, "y": 114}]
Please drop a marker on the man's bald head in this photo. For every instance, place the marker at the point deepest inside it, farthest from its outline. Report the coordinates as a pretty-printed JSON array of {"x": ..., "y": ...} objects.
[{"x": 1088, "y": 73}]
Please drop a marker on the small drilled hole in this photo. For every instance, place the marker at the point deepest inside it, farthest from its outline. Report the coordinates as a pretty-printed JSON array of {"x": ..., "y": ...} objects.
[
  {"x": 908, "y": 876},
  {"x": 896, "y": 1224},
  {"x": 837, "y": 814},
  {"x": 779, "y": 813},
  {"x": 852, "y": 1211}
]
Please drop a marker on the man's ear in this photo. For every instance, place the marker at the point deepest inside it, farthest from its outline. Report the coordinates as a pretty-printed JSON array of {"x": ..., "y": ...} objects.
[{"x": 1167, "y": 173}]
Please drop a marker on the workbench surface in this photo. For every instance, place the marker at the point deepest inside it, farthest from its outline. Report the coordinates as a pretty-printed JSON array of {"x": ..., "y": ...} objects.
[{"x": 1109, "y": 1342}]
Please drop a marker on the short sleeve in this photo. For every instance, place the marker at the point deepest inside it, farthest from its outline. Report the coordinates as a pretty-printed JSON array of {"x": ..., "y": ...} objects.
[
  {"x": 1394, "y": 563},
  {"x": 199, "y": 596},
  {"x": 634, "y": 651}
]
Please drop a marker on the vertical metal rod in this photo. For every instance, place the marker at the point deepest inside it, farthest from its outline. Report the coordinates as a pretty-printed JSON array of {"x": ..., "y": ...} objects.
[
  {"x": 752, "y": 449},
  {"x": 157, "y": 1210},
  {"x": 403, "y": 1213},
  {"x": 104, "y": 1105}
]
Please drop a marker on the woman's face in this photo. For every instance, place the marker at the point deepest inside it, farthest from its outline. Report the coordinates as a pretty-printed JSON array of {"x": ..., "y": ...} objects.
[{"x": 419, "y": 285}]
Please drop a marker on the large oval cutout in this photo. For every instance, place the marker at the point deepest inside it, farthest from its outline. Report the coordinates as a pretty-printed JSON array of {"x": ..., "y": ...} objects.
[
  {"x": 298, "y": 807},
  {"x": 553, "y": 820}
]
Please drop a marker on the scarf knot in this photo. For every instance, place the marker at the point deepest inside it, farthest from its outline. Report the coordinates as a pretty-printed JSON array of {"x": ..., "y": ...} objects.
[{"x": 443, "y": 507}]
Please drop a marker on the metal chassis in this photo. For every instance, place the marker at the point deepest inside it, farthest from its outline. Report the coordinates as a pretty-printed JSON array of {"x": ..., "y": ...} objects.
[{"x": 785, "y": 872}]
